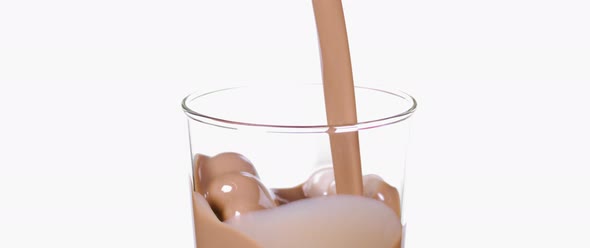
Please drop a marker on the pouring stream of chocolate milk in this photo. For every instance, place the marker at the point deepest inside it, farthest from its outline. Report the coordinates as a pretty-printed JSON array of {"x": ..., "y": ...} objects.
[{"x": 339, "y": 94}]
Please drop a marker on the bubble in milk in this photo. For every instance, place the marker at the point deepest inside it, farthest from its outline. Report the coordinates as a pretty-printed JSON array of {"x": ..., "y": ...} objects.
[
  {"x": 375, "y": 187},
  {"x": 208, "y": 168},
  {"x": 234, "y": 194},
  {"x": 322, "y": 183},
  {"x": 318, "y": 183}
]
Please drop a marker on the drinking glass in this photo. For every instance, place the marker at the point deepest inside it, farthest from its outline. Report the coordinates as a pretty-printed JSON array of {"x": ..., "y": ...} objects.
[{"x": 282, "y": 130}]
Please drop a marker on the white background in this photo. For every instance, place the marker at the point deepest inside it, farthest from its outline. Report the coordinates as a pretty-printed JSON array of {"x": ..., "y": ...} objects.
[{"x": 94, "y": 147}]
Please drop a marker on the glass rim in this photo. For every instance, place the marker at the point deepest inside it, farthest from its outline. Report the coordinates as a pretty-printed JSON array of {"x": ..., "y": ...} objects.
[{"x": 322, "y": 128}]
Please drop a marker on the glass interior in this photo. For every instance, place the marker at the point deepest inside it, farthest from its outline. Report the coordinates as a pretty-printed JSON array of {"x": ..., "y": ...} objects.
[
  {"x": 282, "y": 130},
  {"x": 293, "y": 107}
]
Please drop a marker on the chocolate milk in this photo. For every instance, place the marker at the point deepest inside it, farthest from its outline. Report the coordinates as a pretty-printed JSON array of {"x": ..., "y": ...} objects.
[
  {"x": 339, "y": 94},
  {"x": 343, "y": 221},
  {"x": 232, "y": 208}
]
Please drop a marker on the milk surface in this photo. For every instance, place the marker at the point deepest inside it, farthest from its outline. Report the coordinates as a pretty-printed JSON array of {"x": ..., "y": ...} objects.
[{"x": 341, "y": 221}]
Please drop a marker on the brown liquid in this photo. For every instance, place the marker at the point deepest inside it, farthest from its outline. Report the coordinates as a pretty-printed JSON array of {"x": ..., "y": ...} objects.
[
  {"x": 212, "y": 203},
  {"x": 339, "y": 94},
  {"x": 212, "y": 233},
  {"x": 374, "y": 187},
  {"x": 229, "y": 186},
  {"x": 207, "y": 168}
]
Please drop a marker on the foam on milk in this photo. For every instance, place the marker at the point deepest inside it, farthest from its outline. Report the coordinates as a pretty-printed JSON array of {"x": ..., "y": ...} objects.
[
  {"x": 342, "y": 221},
  {"x": 233, "y": 208}
]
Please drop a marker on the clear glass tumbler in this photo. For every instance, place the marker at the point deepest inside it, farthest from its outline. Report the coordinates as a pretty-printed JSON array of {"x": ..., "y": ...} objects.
[{"x": 282, "y": 131}]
